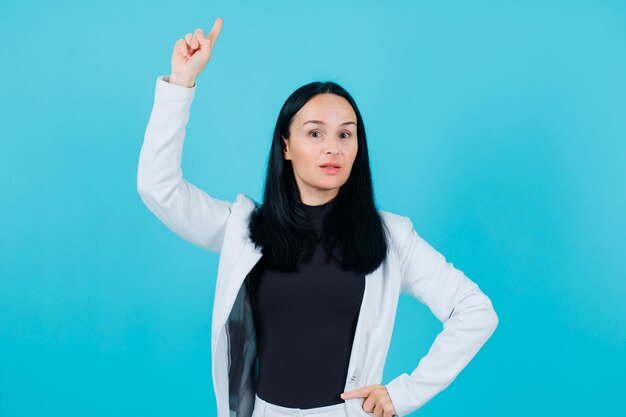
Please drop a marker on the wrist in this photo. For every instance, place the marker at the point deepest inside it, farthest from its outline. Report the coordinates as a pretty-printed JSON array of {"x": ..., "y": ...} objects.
[{"x": 182, "y": 80}]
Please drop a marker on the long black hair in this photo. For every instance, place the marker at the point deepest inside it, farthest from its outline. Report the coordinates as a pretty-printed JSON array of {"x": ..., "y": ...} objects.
[{"x": 352, "y": 231}]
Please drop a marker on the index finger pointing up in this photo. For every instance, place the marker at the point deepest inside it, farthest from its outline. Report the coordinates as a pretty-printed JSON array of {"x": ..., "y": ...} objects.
[{"x": 215, "y": 31}]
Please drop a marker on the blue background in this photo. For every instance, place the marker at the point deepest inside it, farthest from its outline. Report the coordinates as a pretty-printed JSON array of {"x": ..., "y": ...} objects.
[{"x": 498, "y": 127}]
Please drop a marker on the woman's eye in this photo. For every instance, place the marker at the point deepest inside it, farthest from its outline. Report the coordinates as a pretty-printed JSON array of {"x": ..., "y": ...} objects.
[{"x": 316, "y": 134}]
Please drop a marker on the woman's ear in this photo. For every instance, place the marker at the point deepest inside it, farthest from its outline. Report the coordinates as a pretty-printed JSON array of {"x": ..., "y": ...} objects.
[{"x": 285, "y": 143}]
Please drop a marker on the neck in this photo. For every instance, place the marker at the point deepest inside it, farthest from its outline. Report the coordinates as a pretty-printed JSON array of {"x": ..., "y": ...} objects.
[{"x": 317, "y": 200}]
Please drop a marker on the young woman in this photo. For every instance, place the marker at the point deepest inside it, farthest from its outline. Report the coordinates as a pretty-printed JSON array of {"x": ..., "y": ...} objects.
[{"x": 308, "y": 282}]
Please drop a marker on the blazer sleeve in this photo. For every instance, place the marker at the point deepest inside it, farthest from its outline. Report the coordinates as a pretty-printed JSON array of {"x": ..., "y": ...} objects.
[
  {"x": 467, "y": 314},
  {"x": 185, "y": 209}
]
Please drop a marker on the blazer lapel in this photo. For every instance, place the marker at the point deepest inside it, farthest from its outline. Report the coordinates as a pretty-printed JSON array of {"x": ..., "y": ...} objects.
[
  {"x": 368, "y": 314},
  {"x": 244, "y": 263}
]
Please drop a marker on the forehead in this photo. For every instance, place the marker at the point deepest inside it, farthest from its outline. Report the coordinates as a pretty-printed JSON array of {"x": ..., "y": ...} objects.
[{"x": 328, "y": 107}]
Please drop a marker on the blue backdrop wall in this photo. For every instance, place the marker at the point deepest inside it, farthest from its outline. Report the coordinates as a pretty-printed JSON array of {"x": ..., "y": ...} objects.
[{"x": 498, "y": 127}]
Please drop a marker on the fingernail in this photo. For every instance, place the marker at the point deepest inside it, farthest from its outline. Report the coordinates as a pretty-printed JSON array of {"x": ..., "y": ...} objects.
[{"x": 343, "y": 396}]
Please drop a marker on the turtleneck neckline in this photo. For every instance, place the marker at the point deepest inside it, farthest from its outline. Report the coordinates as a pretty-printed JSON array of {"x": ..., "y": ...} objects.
[
  {"x": 319, "y": 212},
  {"x": 319, "y": 206}
]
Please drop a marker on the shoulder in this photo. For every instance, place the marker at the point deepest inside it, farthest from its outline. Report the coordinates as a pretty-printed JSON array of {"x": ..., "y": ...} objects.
[
  {"x": 244, "y": 202},
  {"x": 397, "y": 227},
  {"x": 237, "y": 228},
  {"x": 243, "y": 207},
  {"x": 392, "y": 219}
]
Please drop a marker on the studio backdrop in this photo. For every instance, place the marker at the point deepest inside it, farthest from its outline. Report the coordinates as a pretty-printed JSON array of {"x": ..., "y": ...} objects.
[{"x": 499, "y": 128}]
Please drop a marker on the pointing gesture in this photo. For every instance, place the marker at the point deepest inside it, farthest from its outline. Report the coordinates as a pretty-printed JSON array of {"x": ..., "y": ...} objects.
[
  {"x": 377, "y": 400},
  {"x": 190, "y": 55}
]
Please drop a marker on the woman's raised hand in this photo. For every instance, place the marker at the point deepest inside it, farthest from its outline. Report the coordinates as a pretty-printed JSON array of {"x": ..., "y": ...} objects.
[{"x": 191, "y": 55}]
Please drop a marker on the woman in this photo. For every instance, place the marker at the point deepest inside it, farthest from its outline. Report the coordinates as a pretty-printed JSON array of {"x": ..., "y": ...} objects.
[{"x": 308, "y": 282}]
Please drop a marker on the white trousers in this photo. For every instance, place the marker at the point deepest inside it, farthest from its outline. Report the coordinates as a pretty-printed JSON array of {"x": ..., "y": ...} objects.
[{"x": 264, "y": 409}]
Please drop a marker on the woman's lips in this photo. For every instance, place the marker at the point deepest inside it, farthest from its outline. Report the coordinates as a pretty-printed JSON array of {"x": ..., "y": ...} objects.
[{"x": 330, "y": 169}]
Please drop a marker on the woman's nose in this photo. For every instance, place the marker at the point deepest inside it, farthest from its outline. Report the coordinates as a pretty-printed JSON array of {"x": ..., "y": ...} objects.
[{"x": 331, "y": 146}]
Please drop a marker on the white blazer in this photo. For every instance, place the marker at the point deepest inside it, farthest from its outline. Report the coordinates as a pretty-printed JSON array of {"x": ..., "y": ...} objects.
[{"x": 412, "y": 266}]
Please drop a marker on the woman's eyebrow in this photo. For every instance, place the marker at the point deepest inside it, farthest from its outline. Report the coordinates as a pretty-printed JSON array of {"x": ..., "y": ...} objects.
[{"x": 319, "y": 122}]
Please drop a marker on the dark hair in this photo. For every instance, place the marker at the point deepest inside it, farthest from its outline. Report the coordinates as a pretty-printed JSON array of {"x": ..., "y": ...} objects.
[{"x": 352, "y": 231}]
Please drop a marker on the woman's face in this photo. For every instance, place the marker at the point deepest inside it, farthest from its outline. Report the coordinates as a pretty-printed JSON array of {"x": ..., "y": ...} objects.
[{"x": 322, "y": 132}]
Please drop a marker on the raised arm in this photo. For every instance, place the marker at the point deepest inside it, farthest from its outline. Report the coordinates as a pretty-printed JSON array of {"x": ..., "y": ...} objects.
[
  {"x": 182, "y": 207},
  {"x": 467, "y": 314}
]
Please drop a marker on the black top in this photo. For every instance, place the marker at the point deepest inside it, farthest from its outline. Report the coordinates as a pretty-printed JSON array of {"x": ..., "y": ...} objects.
[{"x": 305, "y": 323}]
